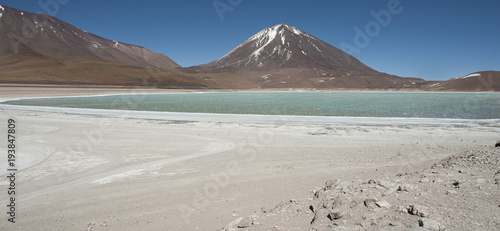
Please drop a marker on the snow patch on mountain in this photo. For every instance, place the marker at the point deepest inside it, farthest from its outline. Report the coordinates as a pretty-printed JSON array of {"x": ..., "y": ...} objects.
[
  {"x": 297, "y": 32},
  {"x": 1, "y": 8},
  {"x": 262, "y": 40},
  {"x": 469, "y": 76},
  {"x": 266, "y": 36},
  {"x": 270, "y": 35},
  {"x": 473, "y": 75},
  {"x": 288, "y": 55}
]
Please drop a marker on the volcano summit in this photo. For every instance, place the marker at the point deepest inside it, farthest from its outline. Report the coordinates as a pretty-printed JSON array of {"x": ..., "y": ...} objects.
[{"x": 284, "y": 56}]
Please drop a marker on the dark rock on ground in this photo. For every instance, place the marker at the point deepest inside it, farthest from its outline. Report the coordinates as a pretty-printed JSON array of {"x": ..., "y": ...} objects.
[{"x": 460, "y": 192}]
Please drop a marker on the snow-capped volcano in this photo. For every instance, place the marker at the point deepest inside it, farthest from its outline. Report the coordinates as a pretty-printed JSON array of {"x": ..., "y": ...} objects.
[
  {"x": 284, "y": 56},
  {"x": 284, "y": 46}
]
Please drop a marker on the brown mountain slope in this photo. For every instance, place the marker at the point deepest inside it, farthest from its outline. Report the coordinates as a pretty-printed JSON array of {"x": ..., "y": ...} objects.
[
  {"x": 477, "y": 81},
  {"x": 36, "y": 69},
  {"x": 47, "y": 35},
  {"x": 36, "y": 48}
]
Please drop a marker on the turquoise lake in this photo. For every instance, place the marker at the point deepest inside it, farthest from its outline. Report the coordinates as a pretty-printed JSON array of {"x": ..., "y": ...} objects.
[{"x": 355, "y": 104}]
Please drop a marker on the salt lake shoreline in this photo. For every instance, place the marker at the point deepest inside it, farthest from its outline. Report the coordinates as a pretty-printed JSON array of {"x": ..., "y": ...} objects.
[
  {"x": 217, "y": 117},
  {"x": 183, "y": 171},
  {"x": 214, "y": 90}
]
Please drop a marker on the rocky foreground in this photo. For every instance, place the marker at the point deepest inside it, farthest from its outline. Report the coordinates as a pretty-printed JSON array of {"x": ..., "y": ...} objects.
[{"x": 461, "y": 192}]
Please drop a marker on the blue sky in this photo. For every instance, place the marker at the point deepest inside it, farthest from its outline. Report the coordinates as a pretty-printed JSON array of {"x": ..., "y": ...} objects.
[{"x": 433, "y": 40}]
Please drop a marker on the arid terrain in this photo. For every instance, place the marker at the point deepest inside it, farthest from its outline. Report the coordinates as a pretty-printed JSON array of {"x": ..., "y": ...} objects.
[
  {"x": 459, "y": 192},
  {"x": 42, "y": 49},
  {"x": 93, "y": 169},
  {"x": 119, "y": 170}
]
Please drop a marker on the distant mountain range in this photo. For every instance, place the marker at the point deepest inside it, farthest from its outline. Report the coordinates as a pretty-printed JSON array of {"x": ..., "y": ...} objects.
[
  {"x": 38, "y": 48},
  {"x": 41, "y": 49},
  {"x": 477, "y": 81}
]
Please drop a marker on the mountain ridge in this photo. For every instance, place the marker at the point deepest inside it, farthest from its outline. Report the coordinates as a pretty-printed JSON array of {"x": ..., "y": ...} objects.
[
  {"x": 39, "y": 48},
  {"x": 475, "y": 81},
  {"x": 43, "y": 33}
]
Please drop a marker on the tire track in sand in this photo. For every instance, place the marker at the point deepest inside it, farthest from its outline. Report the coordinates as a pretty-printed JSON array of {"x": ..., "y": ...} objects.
[{"x": 222, "y": 146}]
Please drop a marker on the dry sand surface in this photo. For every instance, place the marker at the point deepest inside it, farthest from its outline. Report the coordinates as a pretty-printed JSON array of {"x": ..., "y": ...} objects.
[{"x": 117, "y": 170}]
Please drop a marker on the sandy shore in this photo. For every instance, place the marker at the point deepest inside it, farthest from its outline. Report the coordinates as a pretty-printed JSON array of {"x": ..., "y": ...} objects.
[{"x": 83, "y": 169}]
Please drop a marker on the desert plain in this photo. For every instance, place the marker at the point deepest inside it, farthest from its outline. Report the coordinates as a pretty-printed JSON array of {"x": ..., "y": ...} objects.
[{"x": 87, "y": 169}]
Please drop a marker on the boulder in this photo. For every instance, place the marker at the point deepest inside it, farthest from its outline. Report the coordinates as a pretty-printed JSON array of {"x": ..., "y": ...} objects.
[
  {"x": 370, "y": 203},
  {"x": 375, "y": 215},
  {"x": 419, "y": 210},
  {"x": 383, "y": 204},
  {"x": 405, "y": 188},
  {"x": 429, "y": 224},
  {"x": 331, "y": 184},
  {"x": 386, "y": 184},
  {"x": 246, "y": 223},
  {"x": 497, "y": 144},
  {"x": 340, "y": 208},
  {"x": 337, "y": 213},
  {"x": 320, "y": 215}
]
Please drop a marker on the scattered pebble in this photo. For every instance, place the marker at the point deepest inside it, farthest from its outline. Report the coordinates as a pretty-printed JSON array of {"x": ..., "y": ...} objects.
[{"x": 402, "y": 202}]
